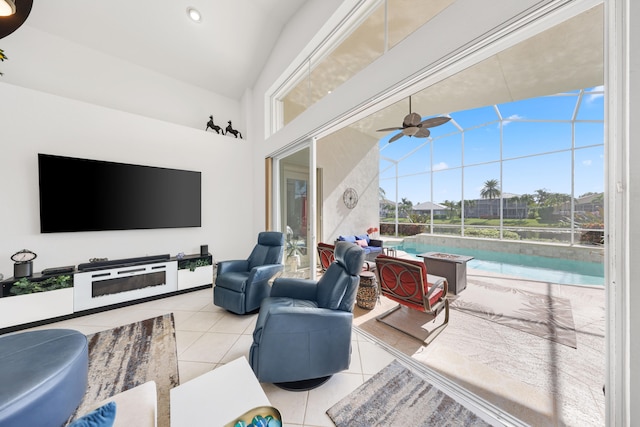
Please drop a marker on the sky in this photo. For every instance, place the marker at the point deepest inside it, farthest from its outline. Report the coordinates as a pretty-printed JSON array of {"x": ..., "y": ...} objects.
[{"x": 536, "y": 150}]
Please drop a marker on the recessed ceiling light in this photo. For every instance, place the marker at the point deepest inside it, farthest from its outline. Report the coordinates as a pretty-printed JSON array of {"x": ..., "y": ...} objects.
[
  {"x": 194, "y": 14},
  {"x": 7, "y": 7}
]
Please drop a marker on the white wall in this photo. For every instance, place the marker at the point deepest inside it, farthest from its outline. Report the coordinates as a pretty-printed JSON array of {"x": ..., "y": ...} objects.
[
  {"x": 348, "y": 158},
  {"x": 41, "y": 61},
  {"x": 32, "y": 121}
]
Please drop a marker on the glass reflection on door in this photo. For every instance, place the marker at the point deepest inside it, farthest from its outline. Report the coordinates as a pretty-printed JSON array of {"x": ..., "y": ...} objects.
[{"x": 295, "y": 209}]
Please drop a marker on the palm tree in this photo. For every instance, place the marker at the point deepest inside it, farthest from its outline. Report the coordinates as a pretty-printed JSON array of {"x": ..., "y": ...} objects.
[
  {"x": 468, "y": 204},
  {"x": 451, "y": 208},
  {"x": 491, "y": 190},
  {"x": 541, "y": 196},
  {"x": 528, "y": 200},
  {"x": 405, "y": 207}
]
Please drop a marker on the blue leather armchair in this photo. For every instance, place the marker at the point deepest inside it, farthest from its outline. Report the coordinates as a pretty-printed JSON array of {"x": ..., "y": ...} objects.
[
  {"x": 303, "y": 332},
  {"x": 241, "y": 285}
]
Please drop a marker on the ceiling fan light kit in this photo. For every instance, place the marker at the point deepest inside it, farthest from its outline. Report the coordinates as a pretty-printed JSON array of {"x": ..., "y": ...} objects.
[{"x": 413, "y": 125}]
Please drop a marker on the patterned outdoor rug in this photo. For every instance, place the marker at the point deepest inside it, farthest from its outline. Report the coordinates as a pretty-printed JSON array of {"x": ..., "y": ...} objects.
[
  {"x": 130, "y": 355},
  {"x": 545, "y": 316},
  {"x": 396, "y": 396}
]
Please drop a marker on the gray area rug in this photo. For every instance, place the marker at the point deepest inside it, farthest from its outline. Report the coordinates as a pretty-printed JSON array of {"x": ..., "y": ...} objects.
[
  {"x": 545, "y": 316},
  {"x": 130, "y": 355},
  {"x": 396, "y": 396}
]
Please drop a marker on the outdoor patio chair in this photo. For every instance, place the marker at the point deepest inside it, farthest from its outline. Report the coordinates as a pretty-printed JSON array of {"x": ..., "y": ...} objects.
[
  {"x": 407, "y": 282},
  {"x": 326, "y": 257}
]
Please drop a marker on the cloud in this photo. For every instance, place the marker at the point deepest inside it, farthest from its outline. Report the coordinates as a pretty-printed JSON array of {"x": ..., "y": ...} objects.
[
  {"x": 593, "y": 97},
  {"x": 440, "y": 166},
  {"x": 510, "y": 118},
  {"x": 586, "y": 162}
]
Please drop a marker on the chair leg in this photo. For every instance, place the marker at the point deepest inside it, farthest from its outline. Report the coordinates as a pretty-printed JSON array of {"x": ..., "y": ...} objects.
[
  {"x": 440, "y": 328},
  {"x": 431, "y": 335}
]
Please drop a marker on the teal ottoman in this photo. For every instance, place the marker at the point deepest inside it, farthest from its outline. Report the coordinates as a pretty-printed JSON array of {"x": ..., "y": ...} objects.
[{"x": 43, "y": 376}]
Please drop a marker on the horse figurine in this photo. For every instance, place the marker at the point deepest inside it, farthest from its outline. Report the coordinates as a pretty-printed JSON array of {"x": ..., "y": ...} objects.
[
  {"x": 213, "y": 126},
  {"x": 232, "y": 131}
]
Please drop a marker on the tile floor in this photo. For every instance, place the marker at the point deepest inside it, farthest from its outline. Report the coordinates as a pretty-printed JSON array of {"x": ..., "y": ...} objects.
[
  {"x": 208, "y": 336},
  {"x": 528, "y": 377}
]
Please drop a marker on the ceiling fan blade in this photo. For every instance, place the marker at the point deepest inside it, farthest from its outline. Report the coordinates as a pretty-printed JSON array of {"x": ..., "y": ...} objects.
[
  {"x": 388, "y": 129},
  {"x": 422, "y": 133},
  {"x": 396, "y": 137},
  {"x": 434, "y": 121},
  {"x": 410, "y": 131},
  {"x": 412, "y": 119}
]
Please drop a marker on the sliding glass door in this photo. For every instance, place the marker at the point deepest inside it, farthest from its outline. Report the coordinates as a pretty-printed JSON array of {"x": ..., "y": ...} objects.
[{"x": 295, "y": 211}]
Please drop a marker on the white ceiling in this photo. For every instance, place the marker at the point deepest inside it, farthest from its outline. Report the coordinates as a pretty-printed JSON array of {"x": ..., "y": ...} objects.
[{"x": 224, "y": 53}]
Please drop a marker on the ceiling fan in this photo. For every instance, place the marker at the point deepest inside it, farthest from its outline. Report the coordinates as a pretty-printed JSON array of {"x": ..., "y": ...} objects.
[{"x": 413, "y": 125}]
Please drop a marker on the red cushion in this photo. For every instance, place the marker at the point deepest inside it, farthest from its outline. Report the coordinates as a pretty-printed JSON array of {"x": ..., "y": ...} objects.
[
  {"x": 401, "y": 280},
  {"x": 326, "y": 254}
]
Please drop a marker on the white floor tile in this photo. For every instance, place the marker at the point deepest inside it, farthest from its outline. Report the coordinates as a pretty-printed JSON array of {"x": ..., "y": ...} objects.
[
  {"x": 291, "y": 404},
  {"x": 210, "y": 347},
  {"x": 190, "y": 370},
  {"x": 327, "y": 395}
]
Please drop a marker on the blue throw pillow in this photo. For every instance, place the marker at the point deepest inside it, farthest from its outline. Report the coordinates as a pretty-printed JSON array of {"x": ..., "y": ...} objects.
[
  {"x": 104, "y": 416},
  {"x": 350, "y": 239}
]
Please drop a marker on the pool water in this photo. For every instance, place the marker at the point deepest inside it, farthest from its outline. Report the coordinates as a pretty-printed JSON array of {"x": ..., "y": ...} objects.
[{"x": 555, "y": 270}]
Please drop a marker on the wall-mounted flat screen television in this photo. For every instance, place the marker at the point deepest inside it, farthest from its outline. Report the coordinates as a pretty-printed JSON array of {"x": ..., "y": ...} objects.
[{"x": 94, "y": 195}]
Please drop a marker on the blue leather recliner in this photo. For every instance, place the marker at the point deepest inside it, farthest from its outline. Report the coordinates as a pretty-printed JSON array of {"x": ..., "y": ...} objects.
[
  {"x": 303, "y": 332},
  {"x": 241, "y": 285}
]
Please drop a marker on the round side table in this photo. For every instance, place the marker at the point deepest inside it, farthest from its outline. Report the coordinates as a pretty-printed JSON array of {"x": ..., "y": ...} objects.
[{"x": 367, "y": 290}]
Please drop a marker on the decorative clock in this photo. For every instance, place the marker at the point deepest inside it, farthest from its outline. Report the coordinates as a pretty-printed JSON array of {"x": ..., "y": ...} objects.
[
  {"x": 350, "y": 198},
  {"x": 23, "y": 263}
]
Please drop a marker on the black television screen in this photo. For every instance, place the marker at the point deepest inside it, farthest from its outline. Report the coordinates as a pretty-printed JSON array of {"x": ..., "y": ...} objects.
[{"x": 93, "y": 195}]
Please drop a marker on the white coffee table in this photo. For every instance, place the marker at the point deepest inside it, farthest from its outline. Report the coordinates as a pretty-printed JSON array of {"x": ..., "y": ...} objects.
[{"x": 217, "y": 397}]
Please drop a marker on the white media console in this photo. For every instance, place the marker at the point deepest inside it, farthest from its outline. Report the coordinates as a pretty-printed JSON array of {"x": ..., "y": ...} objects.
[
  {"x": 104, "y": 285},
  {"x": 99, "y": 288}
]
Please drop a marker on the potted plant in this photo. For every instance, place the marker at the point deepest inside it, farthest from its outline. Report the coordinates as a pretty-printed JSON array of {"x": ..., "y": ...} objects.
[
  {"x": 25, "y": 286},
  {"x": 293, "y": 252}
]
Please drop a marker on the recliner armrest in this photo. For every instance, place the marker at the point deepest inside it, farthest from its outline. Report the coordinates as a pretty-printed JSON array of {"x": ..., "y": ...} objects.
[
  {"x": 264, "y": 272},
  {"x": 232, "y": 266},
  {"x": 294, "y": 288}
]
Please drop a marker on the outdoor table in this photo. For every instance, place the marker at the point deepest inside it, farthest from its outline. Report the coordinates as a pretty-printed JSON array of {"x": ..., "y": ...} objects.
[{"x": 452, "y": 267}]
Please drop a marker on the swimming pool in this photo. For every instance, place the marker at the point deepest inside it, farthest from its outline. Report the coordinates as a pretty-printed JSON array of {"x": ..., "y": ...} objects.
[{"x": 555, "y": 270}]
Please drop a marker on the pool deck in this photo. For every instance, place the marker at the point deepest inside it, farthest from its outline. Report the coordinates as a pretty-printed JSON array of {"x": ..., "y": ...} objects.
[{"x": 532, "y": 378}]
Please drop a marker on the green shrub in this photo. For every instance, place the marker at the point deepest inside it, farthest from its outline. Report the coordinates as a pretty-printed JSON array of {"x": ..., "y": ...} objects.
[
  {"x": 490, "y": 233},
  {"x": 25, "y": 286}
]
